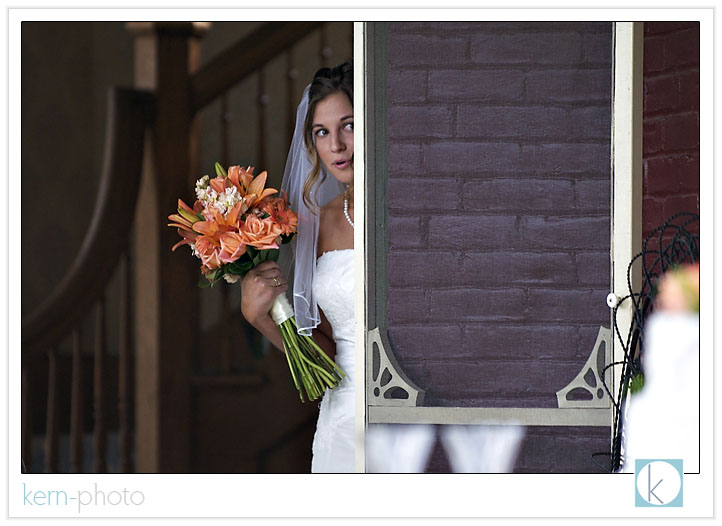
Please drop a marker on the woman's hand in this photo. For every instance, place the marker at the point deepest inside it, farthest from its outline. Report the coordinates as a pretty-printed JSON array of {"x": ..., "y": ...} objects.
[{"x": 259, "y": 289}]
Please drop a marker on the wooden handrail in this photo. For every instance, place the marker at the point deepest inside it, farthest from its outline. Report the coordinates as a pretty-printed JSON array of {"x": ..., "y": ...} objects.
[
  {"x": 129, "y": 112},
  {"x": 244, "y": 58}
]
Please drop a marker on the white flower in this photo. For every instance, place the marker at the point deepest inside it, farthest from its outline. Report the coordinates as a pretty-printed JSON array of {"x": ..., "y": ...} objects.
[{"x": 231, "y": 278}]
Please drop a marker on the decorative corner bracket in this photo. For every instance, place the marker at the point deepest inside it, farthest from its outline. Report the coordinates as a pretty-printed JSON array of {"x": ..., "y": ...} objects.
[
  {"x": 587, "y": 389},
  {"x": 387, "y": 385}
]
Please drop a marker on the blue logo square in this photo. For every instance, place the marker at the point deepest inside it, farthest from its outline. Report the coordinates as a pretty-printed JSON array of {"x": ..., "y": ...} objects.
[{"x": 658, "y": 483}]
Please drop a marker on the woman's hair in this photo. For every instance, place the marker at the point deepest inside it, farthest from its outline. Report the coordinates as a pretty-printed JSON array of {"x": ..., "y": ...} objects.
[{"x": 325, "y": 82}]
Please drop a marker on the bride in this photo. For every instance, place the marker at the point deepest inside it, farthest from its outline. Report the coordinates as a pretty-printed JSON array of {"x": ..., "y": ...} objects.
[{"x": 319, "y": 181}]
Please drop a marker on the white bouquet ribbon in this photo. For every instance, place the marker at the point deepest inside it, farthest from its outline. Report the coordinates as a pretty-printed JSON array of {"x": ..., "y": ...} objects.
[{"x": 281, "y": 309}]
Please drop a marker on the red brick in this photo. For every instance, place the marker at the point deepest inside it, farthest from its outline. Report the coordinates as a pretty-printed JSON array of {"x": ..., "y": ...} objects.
[
  {"x": 406, "y": 305},
  {"x": 419, "y": 121},
  {"x": 404, "y": 158},
  {"x": 567, "y": 158},
  {"x": 476, "y": 85},
  {"x": 652, "y": 214},
  {"x": 670, "y": 175},
  {"x": 427, "y": 269},
  {"x": 454, "y": 157},
  {"x": 653, "y": 54},
  {"x": 517, "y": 195},
  {"x": 660, "y": 94},
  {"x": 688, "y": 89},
  {"x": 597, "y": 48},
  {"x": 565, "y": 232},
  {"x": 681, "y": 132},
  {"x": 422, "y": 194},
  {"x": 425, "y": 50},
  {"x": 681, "y": 48},
  {"x": 593, "y": 268},
  {"x": 463, "y": 304},
  {"x": 459, "y": 232},
  {"x": 513, "y": 267},
  {"x": 652, "y": 140},
  {"x": 404, "y": 232},
  {"x": 593, "y": 194},
  {"x": 675, "y": 204},
  {"x": 585, "y": 306},
  {"x": 406, "y": 86},
  {"x": 581, "y": 85},
  {"x": 654, "y": 28},
  {"x": 526, "y": 48}
]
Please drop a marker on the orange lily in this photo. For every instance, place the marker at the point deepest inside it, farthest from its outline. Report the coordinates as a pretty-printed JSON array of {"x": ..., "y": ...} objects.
[
  {"x": 184, "y": 221},
  {"x": 251, "y": 188}
]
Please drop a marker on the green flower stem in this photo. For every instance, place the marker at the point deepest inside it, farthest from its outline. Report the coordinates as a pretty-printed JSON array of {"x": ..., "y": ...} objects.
[{"x": 311, "y": 369}]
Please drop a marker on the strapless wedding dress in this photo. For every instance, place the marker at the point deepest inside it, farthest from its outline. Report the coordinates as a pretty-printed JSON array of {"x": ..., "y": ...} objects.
[{"x": 333, "y": 287}]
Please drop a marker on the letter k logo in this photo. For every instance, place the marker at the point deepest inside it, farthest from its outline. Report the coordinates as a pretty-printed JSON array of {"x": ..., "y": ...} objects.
[{"x": 658, "y": 482}]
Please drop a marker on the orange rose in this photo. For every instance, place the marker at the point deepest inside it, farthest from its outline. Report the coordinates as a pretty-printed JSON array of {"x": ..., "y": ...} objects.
[
  {"x": 209, "y": 252},
  {"x": 232, "y": 247},
  {"x": 260, "y": 233}
]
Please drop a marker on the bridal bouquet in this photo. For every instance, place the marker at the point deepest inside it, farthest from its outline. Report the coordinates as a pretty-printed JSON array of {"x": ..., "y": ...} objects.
[{"x": 236, "y": 224}]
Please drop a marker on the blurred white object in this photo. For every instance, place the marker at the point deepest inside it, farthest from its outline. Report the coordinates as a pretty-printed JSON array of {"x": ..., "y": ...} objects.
[
  {"x": 398, "y": 448},
  {"x": 663, "y": 418},
  {"x": 482, "y": 448}
]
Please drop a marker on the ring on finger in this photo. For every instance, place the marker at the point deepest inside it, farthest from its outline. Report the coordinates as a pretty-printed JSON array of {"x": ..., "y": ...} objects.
[{"x": 276, "y": 282}]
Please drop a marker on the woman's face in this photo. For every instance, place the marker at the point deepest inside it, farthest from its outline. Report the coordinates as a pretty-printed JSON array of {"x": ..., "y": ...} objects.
[{"x": 332, "y": 130}]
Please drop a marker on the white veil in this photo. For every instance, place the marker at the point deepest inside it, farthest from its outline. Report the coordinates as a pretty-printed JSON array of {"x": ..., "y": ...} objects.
[{"x": 298, "y": 263}]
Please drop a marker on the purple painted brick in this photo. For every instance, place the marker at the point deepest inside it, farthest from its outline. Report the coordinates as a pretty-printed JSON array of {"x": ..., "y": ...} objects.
[
  {"x": 567, "y": 158},
  {"x": 419, "y": 342},
  {"x": 518, "y": 195},
  {"x": 593, "y": 122},
  {"x": 406, "y": 86},
  {"x": 426, "y": 269},
  {"x": 593, "y": 195},
  {"x": 431, "y": 193},
  {"x": 521, "y": 342},
  {"x": 585, "y": 306},
  {"x": 594, "y": 268},
  {"x": 526, "y": 48},
  {"x": 516, "y": 268},
  {"x": 425, "y": 50},
  {"x": 460, "y": 304},
  {"x": 598, "y": 48},
  {"x": 488, "y": 381},
  {"x": 476, "y": 85},
  {"x": 472, "y": 232},
  {"x": 406, "y": 305},
  {"x": 512, "y": 122},
  {"x": 561, "y": 451},
  {"x": 453, "y": 157},
  {"x": 420, "y": 121},
  {"x": 565, "y": 232},
  {"x": 588, "y": 337},
  {"x": 581, "y": 85},
  {"x": 404, "y": 232},
  {"x": 538, "y": 122},
  {"x": 404, "y": 158}
]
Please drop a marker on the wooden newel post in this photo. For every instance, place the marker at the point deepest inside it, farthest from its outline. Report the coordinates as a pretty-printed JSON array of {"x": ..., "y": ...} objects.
[{"x": 166, "y": 296}]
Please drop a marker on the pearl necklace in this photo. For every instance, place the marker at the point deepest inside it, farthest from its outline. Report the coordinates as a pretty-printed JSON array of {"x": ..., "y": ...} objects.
[{"x": 345, "y": 208}]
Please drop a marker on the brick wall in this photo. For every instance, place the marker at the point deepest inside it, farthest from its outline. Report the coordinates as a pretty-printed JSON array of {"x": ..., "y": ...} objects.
[
  {"x": 671, "y": 121},
  {"x": 498, "y": 214}
]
